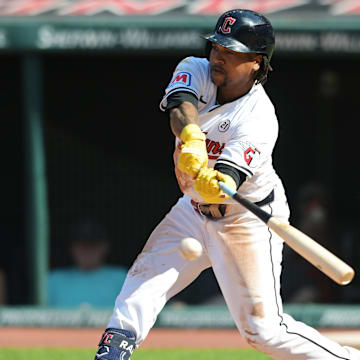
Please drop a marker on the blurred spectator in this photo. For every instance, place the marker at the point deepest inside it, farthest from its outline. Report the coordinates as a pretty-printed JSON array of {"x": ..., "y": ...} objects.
[
  {"x": 313, "y": 217},
  {"x": 90, "y": 281}
]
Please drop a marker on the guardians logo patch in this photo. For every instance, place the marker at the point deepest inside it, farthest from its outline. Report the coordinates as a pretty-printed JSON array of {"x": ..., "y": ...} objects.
[{"x": 252, "y": 156}]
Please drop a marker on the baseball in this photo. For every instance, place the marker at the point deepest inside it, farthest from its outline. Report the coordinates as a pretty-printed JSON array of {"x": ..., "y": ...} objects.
[{"x": 190, "y": 249}]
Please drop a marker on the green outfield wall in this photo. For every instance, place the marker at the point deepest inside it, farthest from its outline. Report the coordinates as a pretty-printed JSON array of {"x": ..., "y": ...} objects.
[{"x": 320, "y": 316}]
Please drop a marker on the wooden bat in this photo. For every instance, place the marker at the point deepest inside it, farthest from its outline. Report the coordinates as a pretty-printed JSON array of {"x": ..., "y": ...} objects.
[{"x": 309, "y": 249}]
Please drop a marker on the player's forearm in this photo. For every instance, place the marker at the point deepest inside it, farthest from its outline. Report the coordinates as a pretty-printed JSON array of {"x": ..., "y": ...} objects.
[{"x": 182, "y": 115}]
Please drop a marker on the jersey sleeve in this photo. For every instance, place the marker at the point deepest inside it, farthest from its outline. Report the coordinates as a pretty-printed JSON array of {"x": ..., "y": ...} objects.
[{"x": 189, "y": 76}]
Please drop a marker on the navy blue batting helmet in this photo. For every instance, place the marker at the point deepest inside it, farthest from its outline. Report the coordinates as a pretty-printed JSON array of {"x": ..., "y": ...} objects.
[{"x": 244, "y": 31}]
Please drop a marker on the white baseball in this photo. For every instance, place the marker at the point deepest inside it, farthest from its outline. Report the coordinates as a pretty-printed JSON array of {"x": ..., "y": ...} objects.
[{"x": 190, "y": 249}]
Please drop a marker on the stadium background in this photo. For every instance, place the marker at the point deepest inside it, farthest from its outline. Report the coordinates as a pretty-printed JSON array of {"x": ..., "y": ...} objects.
[{"x": 79, "y": 99}]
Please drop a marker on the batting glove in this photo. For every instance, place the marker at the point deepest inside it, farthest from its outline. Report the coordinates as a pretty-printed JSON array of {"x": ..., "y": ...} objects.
[
  {"x": 193, "y": 155},
  {"x": 207, "y": 185}
]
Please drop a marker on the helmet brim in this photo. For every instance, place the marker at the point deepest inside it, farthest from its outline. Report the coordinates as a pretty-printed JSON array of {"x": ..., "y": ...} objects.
[
  {"x": 228, "y": 43},
  {"x": 231, "y": 43}
]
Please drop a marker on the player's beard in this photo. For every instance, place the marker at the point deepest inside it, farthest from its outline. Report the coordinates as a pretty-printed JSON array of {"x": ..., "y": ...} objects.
[{"x": 218, "y": 76}]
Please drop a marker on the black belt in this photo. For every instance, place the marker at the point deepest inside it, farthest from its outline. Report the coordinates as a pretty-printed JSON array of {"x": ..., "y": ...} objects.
[{"x": 216, "y": 211}]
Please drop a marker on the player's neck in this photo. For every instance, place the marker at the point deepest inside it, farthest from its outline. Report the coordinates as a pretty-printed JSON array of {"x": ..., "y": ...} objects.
[{"x": 228, "y": 94}]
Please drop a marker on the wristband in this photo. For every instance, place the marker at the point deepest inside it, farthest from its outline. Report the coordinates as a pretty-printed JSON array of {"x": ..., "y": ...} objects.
[{"x": 191, "y": 132}]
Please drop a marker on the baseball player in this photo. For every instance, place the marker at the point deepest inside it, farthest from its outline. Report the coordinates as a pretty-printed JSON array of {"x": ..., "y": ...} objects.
[{"x": 225, "y": 128}]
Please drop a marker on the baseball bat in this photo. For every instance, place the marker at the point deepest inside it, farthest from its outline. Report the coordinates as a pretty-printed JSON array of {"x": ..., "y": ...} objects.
[{"x": 308, "y": 248}]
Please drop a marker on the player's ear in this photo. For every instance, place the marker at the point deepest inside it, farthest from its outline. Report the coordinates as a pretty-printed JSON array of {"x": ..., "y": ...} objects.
[{"x": 257, "y": 62}]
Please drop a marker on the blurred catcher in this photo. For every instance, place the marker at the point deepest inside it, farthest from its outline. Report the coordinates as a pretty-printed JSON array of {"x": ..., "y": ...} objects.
[{"x": 226, "y": 128}]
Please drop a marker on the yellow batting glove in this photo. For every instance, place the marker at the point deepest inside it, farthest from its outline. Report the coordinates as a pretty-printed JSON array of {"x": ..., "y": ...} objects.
[
  {"x": 207, "y": 185},
  {"x": 193, "y": 155}
]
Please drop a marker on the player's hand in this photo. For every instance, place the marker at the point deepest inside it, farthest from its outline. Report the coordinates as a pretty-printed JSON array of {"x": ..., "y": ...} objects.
[
  {"x": 193, "y": 155},
  {"x": 207, "y": 185}
]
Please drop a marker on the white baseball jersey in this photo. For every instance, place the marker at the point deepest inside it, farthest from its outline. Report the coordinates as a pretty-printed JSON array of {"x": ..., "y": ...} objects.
[{"x": 241, "y": 133}]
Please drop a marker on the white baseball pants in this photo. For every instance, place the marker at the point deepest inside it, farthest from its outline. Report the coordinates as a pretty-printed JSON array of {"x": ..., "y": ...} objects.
[{"x": 246, "y": 258}]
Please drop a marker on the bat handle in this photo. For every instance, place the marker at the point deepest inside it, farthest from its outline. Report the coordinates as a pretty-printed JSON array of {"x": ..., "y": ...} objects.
[
  {"x": 226, "y": 189},
  {"x": 260, "y": 213}
]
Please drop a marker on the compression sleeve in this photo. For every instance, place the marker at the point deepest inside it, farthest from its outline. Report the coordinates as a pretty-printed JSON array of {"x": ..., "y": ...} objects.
[
  {"x": 175, "y": 99},
  {"x": 236, "y": 174}
]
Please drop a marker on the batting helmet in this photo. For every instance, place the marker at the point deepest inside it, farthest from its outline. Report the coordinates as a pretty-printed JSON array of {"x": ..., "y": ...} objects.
[{"x": 244, "y": 31}]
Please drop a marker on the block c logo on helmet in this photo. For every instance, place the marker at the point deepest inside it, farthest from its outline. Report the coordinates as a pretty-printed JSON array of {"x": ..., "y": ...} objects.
[{"x": 227, "y": 24}]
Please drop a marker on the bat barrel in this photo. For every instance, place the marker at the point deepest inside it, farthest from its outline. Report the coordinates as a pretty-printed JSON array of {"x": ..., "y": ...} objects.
[{"x": 312, "y": 251}]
